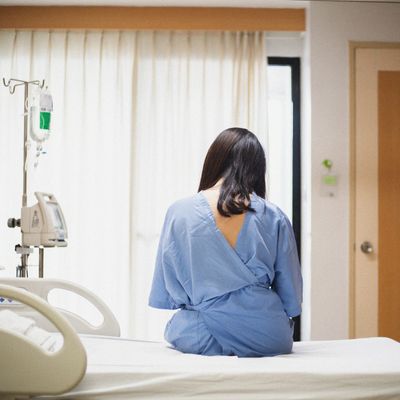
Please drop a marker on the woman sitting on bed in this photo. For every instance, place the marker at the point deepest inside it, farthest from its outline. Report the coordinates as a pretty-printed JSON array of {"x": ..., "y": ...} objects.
[{"x": 227, "y": 259}]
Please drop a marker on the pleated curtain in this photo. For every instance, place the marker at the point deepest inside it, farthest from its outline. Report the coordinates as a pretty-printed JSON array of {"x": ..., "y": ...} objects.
[{"x": 134, "y": 114}]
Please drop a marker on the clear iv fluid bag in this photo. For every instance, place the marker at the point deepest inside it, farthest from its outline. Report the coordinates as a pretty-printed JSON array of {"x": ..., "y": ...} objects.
[{"x": 40, "y": 110}]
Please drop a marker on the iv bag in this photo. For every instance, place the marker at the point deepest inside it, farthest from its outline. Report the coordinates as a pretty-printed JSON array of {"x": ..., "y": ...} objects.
[{"x": 41, "y": 108}]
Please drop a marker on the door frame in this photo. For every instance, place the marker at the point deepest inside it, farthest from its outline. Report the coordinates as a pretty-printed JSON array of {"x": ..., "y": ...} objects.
[{"x": 353, "y": 46}]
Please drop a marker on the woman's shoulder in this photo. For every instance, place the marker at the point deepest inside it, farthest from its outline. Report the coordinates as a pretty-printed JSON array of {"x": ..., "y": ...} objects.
[
  {"x": 183, "y": 207},
  {"x": 188, "y": 207}
]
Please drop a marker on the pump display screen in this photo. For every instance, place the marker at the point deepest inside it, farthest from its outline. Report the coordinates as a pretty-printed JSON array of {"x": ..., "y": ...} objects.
[{"x": 55, "y": 216}]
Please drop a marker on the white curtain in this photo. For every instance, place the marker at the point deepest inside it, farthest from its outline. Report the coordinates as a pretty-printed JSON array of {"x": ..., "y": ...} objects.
[{"x": 135, "y": 113}]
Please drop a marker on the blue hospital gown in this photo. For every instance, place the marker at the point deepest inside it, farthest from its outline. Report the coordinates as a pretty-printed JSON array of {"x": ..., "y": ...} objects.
[{"x": 232, "y": 301}]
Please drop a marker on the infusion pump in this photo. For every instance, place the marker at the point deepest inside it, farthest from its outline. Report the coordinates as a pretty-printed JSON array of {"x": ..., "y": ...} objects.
[{"x": 43, "y": 224}]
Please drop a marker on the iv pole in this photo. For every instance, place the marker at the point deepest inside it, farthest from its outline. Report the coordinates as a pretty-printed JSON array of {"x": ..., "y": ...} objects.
[{"x": 24, "y": 251}]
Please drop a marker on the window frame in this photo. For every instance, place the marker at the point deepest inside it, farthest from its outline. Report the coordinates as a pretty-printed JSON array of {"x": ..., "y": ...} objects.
[{"x": 294, "y": 64}]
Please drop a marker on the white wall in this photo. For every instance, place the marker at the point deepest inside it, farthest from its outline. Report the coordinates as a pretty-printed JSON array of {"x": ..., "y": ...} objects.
[
  {"x": 330, "y": 27},
  {"x": 285, "y": 44}
]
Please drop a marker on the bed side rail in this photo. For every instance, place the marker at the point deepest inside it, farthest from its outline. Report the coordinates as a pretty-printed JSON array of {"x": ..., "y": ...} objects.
[
  {"x": 42, "y": 288},
  {"x": 26, "y": 368}
]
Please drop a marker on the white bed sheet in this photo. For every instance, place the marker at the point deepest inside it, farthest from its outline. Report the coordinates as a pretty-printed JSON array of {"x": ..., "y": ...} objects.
[{"x": 345, "y": 369}]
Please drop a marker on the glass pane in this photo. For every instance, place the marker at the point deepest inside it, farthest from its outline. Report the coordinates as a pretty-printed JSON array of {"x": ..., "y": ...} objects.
[{"x": 280, "y": 126}]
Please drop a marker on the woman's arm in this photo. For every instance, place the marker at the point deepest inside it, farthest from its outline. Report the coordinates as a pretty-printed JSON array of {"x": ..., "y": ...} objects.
[
  {"x": 288, "y": 281},
  {"x": 159, "y": 294}
]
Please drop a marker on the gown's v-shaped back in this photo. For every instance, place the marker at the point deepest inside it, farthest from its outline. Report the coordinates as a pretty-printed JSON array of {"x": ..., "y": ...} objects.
[{"x": 229, "y": 227}]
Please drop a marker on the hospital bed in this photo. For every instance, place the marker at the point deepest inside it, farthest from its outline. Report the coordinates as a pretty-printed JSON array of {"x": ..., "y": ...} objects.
[{"x": 87, "y": 366}]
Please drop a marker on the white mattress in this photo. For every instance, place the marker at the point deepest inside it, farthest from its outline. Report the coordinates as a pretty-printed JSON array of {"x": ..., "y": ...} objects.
[{"x": 345, "y": 369}]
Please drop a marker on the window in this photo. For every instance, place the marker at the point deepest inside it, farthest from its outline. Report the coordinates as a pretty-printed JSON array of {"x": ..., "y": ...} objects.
[{"x": 284, "y": 138}]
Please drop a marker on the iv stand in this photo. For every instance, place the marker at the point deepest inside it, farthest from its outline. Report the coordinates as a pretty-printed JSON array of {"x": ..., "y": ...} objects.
[{"x": 24, "y": 251}]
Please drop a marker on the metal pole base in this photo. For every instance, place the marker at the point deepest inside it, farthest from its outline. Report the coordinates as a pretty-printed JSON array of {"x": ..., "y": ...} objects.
[{"x": 41, "y": 262}]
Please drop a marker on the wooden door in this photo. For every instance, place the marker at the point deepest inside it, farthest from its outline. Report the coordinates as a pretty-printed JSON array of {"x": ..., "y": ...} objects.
[{"x": 375, "y": 212}]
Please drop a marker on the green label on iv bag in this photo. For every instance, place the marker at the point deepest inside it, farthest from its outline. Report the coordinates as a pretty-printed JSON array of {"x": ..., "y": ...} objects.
[{"x": 45, "y": 120}]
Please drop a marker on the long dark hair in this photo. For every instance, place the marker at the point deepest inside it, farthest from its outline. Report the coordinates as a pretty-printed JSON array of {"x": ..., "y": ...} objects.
[{"x": 237, "y": 156}]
